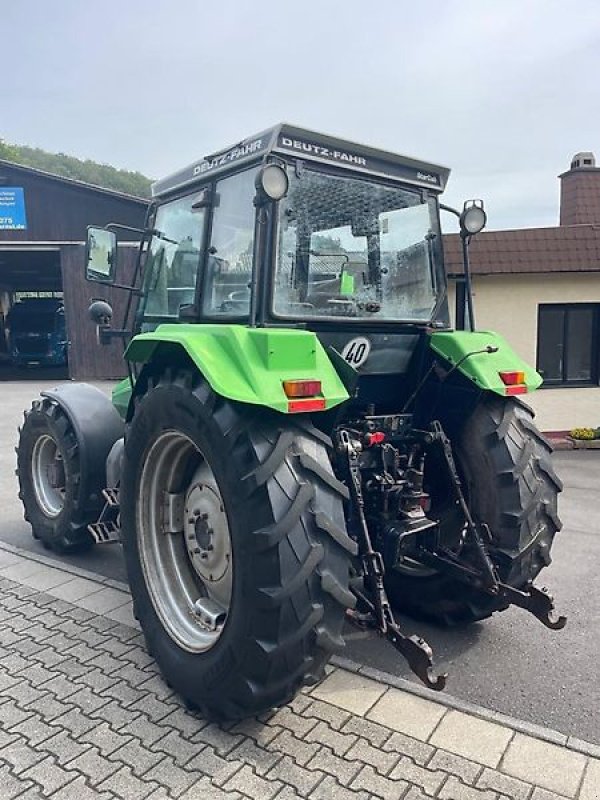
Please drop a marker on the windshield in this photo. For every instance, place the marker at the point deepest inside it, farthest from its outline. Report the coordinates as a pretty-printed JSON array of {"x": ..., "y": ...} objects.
[{"x": 354, "y": 248}]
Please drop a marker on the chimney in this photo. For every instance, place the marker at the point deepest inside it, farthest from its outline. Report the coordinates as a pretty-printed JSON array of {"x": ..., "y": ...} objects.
[{"x": 580, "y": 191}]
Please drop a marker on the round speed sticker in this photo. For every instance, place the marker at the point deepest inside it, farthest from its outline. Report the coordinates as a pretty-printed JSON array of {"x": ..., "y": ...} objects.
[{"x": 357, "y": 351}]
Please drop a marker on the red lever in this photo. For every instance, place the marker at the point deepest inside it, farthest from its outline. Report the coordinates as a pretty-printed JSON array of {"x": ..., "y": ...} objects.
[{"x": 374, "y": 438}]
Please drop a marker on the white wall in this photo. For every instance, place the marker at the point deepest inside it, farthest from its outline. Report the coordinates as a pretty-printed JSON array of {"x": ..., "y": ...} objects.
[{"x": 508, "y": 304}]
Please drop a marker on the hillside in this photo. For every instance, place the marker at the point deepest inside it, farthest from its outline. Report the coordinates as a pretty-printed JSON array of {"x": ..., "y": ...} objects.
[{"x": 120, "y": 180}]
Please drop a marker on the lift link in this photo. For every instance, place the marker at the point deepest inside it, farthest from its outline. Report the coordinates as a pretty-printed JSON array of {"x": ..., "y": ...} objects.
[
  {"x": 538, "y": 602},
  {"x": 415, "y": 650}
]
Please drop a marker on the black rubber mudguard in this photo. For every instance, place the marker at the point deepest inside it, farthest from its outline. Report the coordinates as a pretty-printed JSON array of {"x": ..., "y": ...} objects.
[{"x": 97, "y": 426}]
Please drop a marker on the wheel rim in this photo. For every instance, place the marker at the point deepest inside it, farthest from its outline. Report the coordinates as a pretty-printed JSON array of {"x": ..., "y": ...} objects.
[
  {"x": 48, "y": 474},
  {"x": 184, "y": 542}
]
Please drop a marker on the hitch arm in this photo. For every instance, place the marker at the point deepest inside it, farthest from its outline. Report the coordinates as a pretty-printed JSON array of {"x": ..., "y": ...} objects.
[
  {"x": 538, "y": 602},
  {"x": 415, "y": 650}
]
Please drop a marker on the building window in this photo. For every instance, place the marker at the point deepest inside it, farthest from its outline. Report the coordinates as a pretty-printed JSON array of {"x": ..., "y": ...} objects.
[{"x": 567, "y": 352}]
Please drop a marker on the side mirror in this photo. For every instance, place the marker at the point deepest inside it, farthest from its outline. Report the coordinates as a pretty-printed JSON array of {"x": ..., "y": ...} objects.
[
  {"x": 100, "y": 312},
  {"x": 100, "y": 255}
]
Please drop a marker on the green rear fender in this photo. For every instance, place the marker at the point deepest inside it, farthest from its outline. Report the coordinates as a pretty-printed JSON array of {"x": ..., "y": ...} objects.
[
  {"x": 249, "y": 365},
  {"x": 484, "y": 369}
]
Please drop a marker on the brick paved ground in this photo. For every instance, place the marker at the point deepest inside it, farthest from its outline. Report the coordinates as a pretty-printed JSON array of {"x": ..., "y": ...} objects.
[{"x": 84, "y": 714}]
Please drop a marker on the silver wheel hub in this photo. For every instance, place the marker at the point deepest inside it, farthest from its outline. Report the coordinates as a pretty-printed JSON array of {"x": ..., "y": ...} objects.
[
  {"x": 206, "y": 532},
  {"x": 184, "y": 542},
  {"x": 48, "y": 475}
]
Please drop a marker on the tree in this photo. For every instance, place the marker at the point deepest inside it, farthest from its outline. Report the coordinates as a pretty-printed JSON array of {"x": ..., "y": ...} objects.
[{"x": 121, "y": 180}]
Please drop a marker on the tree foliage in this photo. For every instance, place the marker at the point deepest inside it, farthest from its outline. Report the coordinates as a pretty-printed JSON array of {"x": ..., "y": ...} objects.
[{"x": 121, "y": 180}]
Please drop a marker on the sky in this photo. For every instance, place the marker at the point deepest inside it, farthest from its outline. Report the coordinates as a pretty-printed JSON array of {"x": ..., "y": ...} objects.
[{"x": 504, "y": 92}]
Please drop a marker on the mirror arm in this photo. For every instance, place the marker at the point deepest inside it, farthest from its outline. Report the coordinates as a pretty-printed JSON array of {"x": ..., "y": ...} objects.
[
  {"x": 131, "y": 289},
  {"x": 106, "y": 334}
]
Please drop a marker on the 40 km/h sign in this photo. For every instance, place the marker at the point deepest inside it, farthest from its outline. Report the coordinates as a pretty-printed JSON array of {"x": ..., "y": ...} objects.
[{"x": 357, "y": 351}]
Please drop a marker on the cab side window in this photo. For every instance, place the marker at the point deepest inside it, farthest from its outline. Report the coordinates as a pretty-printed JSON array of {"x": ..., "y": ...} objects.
[
  {"x": 226, "y": 290},
  {"x": 174, "y": 258}
]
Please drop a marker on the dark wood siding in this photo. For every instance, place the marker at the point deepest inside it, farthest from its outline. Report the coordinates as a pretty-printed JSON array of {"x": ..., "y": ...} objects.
[
  {"x": 87, "y": 358},
  {"x": 59, "y": 211}
]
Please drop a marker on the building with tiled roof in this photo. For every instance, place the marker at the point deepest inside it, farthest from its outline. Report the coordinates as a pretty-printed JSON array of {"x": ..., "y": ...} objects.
[{"x": 540, "y": 288}]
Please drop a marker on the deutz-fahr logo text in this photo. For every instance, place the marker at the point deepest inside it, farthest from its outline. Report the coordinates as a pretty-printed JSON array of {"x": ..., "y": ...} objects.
[
  {"x": 323, "y": 152},
  {"x": 227, "y": 158}
]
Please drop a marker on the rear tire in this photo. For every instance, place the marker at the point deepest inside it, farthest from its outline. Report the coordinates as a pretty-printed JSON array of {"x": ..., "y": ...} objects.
[
  {"x": 48, "y": 471},
  {"x": 512, "y": 487},
  {"x": 290, "y": 554}
]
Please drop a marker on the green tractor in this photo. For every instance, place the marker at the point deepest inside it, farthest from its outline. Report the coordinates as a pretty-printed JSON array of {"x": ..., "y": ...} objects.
[{"x": 302, "y": 440}]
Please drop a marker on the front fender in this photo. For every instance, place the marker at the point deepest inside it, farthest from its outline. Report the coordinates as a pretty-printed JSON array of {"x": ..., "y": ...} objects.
[
  {"x": 484, "y": 369},
  {"x": 248, "y": 365}
]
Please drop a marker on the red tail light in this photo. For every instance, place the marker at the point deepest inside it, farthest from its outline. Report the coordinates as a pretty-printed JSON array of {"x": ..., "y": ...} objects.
[
  {"x": 512, "y": 378},
  {"x": 309, "y": 388},
  {"x": 307, "y": 404}
]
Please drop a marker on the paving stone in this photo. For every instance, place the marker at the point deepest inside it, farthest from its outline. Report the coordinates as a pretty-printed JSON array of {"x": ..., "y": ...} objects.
[
  {"x": 20, "y": 570},
  {"x": 74, "y": 589},
  {"x": 49, "y": 656},
  {"x": 349, "y": 691},
  {"x": 453, "y": 789},
  {"x": 368, "y": 780},
  {"x": 151, "y": 706},
  {"x": 302, "y": 779},
  {"x": 366, "y": 729},
  {"x": 328, "y": 762},
  {"x": 46, "y": 578},
  {"x": 590, "y": 788},
  {"x": 60, "y": 686},
  {"x": 543, "y": 764},
  {"x": 87, "y": 700},
  {"x": 339, "y": 742},
  {"x": 79, "y": 790},
  {"x": 96, "y": 680},
  {"x": 75, "y": 722},
  {"x": 288, "y": 719},
  {"x": 252, "y": 785},
  {"x": 20, "y": 755},
  {"x": 260, "y": 759},
  {"x": 127, "y": 786},
  {"x": 177, "y": 746},
  {"x": 511, "y": 787},
  {"x": 210, "y": 763},
  {"x": 49, "y": 775},
  {"x": 428, "y": 780},
  {"x": 149, "y": 683},
  {"x": 104, "y": 738},
  {"x": 63, "y": 747},
  {"x": 138, "y": 757},
  {"x": 256, "y": 730},
  {"x": 48, "y": 707},
  {"x": 124, "y": 614},
  {"x": 415, "y": 794},
  {"x": 82, "y": 653},
  {"x": 286, "y": 743},
  {"x": 471, "y": 737},
  {"x": 544, "y": 794},
  {"x": 367, "y": 754},
  {"x": 34, "y": 729},
  {"x": 329, "y": 789},
  {"x": 71, "y": 667},
  {"x": 220, "y": 740},
  {"x": 93, "y": 765},
  {"x": 171, "y": 778},
  {"x": 332, "y": 715},
  {"x": 100, "y": 602},
  {"x": 407, "y": 713},
  {"x": 140, "y": 726},
  {"x": 464, "y": 769},
  {"x": 204, "y": 789},
  {"x": 24, "y": 694},
  {"x": 11, "y": 785},
  {"x": 399, "y": 743}
]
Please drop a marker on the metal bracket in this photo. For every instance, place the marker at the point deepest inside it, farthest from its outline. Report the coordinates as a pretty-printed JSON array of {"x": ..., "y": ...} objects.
[{"x": 538, "y": 602}]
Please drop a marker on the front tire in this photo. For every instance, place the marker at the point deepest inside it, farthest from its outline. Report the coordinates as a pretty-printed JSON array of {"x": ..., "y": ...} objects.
[
  {"x": 511, "y": 486},
  {"x": 285, "y": 590},
  {"x": 49, "y": 473}
]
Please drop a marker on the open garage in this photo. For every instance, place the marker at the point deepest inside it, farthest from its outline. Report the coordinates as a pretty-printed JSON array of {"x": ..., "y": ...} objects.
[{"x": 44, "y": 329}]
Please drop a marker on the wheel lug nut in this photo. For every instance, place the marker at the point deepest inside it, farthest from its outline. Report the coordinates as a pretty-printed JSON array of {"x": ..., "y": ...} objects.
[{"x": 204, "y": 516}]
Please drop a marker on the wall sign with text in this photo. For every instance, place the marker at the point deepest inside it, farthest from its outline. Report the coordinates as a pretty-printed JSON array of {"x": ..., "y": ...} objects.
[{"x": 12, "y": 209}]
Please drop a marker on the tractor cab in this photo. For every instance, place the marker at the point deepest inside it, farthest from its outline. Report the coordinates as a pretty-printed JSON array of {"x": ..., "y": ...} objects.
[{"x": 295, "y": 229}]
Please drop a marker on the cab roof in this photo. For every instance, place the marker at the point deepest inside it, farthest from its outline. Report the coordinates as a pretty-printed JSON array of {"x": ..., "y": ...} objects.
[{"x": 288, "y": 140}]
